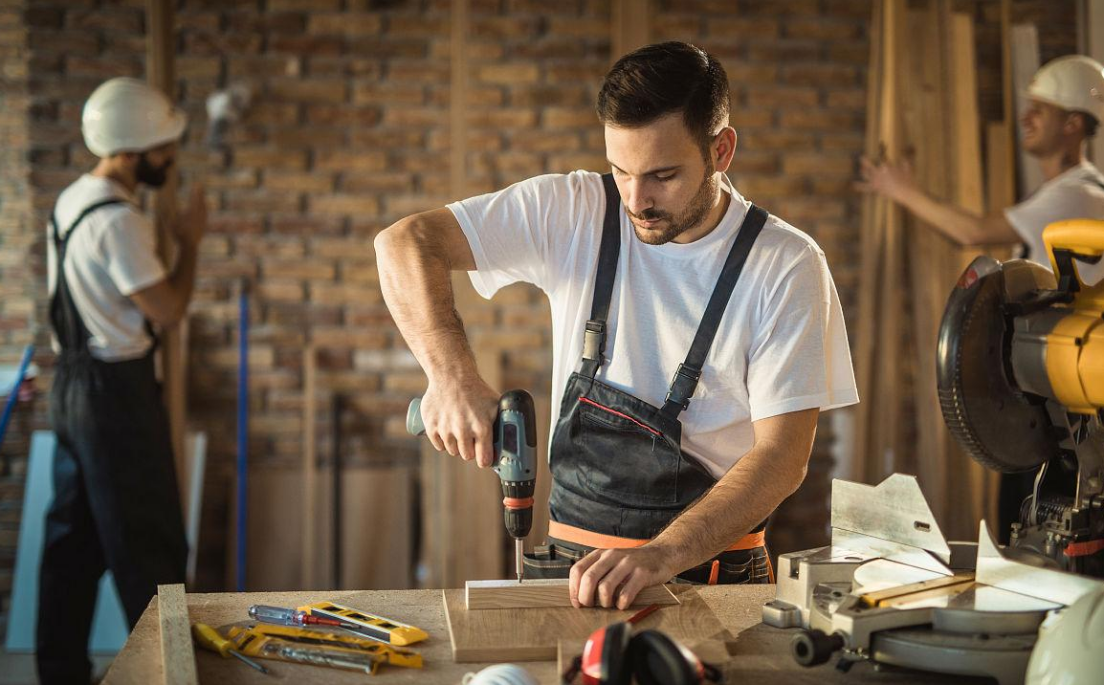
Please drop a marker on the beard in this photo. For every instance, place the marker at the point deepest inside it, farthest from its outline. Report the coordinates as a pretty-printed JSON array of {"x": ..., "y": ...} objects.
[
  {"x": 673, "y": 226},
  {"x": 152, "y": 176}
]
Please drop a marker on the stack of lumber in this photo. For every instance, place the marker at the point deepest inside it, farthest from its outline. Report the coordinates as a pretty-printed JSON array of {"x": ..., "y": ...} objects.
[{"x": 921, "y": 106}]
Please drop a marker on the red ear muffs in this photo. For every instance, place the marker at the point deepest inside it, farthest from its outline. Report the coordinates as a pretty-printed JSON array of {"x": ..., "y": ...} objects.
[
  {"x": 658, "y": 660},
  {"x": 604, "y": 657}
]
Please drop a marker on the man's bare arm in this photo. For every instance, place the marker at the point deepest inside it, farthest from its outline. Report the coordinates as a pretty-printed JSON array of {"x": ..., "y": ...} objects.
[
  {"x": 741, "y": 499},
  {"x": 166, "y": 301},
  {"x": 895, "y": 181},
  {"x": 415, "y": 257}
]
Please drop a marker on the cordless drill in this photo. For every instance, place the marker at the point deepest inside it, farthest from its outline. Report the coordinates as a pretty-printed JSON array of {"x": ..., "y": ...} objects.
[{"x": 515, "y": 461}]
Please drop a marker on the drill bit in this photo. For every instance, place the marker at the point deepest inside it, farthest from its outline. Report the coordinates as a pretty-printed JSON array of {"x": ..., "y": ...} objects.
[{"x": 519, "y": 554}]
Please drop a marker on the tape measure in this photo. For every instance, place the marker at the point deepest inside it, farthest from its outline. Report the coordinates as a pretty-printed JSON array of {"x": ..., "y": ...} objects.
[{"x": 369, "y": 625}]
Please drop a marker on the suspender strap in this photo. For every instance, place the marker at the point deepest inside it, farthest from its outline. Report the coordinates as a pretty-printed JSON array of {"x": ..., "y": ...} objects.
[
  {"x": 62, "y": 243},
  {"x": 594, "y": 338},
  {"x": 686, "y": 377}
]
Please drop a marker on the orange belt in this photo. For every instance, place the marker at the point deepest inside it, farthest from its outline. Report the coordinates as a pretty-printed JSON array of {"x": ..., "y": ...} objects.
[{"x": 579, "y": 536}]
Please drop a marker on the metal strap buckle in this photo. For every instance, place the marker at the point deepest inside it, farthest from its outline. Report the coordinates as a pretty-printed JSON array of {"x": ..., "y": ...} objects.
[
  {"x": 683, "y": 384},
  {"x": 594, "y": 341}
]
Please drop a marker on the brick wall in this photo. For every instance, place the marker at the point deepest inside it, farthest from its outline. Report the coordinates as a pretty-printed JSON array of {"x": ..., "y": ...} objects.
[
  {"x": 349, "y": 131},
  {"x": 20, "y": 289}
]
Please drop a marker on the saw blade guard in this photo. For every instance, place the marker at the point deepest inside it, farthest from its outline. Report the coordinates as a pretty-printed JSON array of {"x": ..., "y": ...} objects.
[{"x": 999, "y": 425}]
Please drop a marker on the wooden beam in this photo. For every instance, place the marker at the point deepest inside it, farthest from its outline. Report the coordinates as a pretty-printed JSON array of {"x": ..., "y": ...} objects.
[
  {"x": 531, "y": 594},
  {"x": 458, "y": 86},
  {"x": 160, "y": 49},
  {"x": 629, "y": 26},
  {"x": 308, "y": 562},
  {"x": 177, "y": 654}
]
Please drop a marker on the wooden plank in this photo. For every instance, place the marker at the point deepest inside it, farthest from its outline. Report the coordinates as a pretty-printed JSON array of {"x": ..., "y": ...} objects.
[
  {"x": 539, "y": 533},
  {"x": 160, "y": 74},
  {"x": 869, "y": 257},
  {"x": 1025, "y": 62},
  {"x": 177, "y": 656},
  {"x": 529, "y": 594},
  {"x": 377, "y": 545},
  {"x": 629, "y": 26},
  {"x": 534, "y": 634},
  {"x": 458, "y": 88},
  {"x": 308, "y": 562}
]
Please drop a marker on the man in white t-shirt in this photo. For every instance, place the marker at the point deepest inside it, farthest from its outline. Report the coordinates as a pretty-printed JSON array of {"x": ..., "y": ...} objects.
[
  {"x": 116, "y": 504},
  {"x": 1065, "y": 106},
  {"x": 695, "y": 337}
]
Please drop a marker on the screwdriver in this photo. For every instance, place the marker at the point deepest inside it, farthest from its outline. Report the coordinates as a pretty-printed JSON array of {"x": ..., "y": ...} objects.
[
  {"x": 209, "y": 638},
  {"x": 288, "y": 617}
]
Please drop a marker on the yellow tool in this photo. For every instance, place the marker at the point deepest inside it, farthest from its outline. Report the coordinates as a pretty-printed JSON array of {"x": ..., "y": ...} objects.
[
  {"x": 269, "y": 641},
  {"x": 209, "y": 638},
  {"x": 369, "y": 625}
]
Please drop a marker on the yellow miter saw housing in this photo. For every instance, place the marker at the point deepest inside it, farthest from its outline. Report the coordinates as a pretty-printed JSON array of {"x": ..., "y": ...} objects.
[{"x": 1021, "y": 384}]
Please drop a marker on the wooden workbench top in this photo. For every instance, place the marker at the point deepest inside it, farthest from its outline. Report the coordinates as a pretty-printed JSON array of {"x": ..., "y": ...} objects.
[{"x": 755, "y": 651}]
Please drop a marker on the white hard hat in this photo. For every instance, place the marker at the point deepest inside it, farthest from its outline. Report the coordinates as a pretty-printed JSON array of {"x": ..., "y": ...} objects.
[
  {"x": 127, "y": 115},
  {"x": 1073, "y": 82},
  {"x": 1070, "y": 649}
]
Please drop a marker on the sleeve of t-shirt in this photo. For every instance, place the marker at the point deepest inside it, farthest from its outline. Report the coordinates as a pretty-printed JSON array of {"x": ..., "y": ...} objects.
[
  {"x": 516, "y": 234},
  {"x": 799, "y": 358},
  {"x": 129, "y": 250},
  {"x": 1053, "y": 203}
]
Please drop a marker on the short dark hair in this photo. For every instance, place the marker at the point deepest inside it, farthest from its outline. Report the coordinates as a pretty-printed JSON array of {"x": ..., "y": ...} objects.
[{"x": 664, "y": 78}]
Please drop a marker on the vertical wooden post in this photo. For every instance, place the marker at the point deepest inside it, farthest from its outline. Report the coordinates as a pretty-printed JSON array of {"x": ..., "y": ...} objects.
[
  {"x": 310, "y": 470},
  {"x": 160, "y": 49},
  {"x": 629, "y": 26}
]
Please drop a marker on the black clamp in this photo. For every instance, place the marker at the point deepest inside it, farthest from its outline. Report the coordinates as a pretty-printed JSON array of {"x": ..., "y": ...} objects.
[{"x": 683, "y": 384}]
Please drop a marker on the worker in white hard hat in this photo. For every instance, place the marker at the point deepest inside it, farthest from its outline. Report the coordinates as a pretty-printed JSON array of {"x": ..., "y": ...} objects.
[
  {"x": 116, "y": 506},
  {"x": 1065, "y": 104}
]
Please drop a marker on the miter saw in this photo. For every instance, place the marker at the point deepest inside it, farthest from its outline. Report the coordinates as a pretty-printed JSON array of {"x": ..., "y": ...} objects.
[{"x": 1021, "y": 386}]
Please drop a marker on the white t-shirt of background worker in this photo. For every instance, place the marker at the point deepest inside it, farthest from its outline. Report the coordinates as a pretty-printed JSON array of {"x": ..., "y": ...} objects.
[
  {"x": 781, "y": 345},
  {"x": 1072, "y": 194},
  {"x": 111, "y": 256}
]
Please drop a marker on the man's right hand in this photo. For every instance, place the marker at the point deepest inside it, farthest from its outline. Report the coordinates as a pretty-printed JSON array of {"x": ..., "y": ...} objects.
[
  {"x": 192, "y": 224},
  {"x": 458, "y": 417}
]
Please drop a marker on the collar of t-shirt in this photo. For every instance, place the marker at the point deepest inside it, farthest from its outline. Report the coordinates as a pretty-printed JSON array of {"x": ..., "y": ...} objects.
[{"x": 91, "y": 189}]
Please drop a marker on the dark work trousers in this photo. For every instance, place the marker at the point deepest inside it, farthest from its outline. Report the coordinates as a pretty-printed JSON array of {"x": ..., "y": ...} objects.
[{"x": 116, "y": 505}]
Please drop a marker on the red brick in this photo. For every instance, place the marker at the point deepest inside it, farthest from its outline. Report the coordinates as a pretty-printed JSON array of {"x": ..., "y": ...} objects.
[
  {"x": 269, "y": 22},
  {"x": 503, "y": 118},
  {"x": 344, "y": 204},
  {"x": 817, "y": 163},
  {"x": 273, "y": 290},
  {"x": 263, "y": 202},
  {"x": 306, "y": 270},
  {"x": 571, "y": 162},
  {"x": 344, "y": 293},
  {"x": 270, "y": 158},
  {"x": 754, "y": 163},
  {"x": 306, "y": 225},
  {"x": 382, "y": 182},
  {"x": 299, "y": 136},
  {"x": 745, "y": 28},
  {"x": 771, "y": 96},
  {"x": 819, "y": 119},
  {"x": 308, "y": 90},
  {"x": 314, "y": 182},
  {"x": 304, "y": 45},
  {"x": 344, "y": 337},
  {"x": 821, "y": 75},
  {"x": 418, "y": 72},
  {"x": 684, "y": 27},
  {"x": 415, "y": 116},
  {"x": 124, "y": 21},
  {"x": 350, "y": 160},
  {"x": 508, "y": 74},
  {"x": 345, "y": 23},
  {"x": 302, "y": 5},
  {"x": 201, "y": 43},
  {"x": 418, "y": 26},
  {"x": 236, "y": 179},
  {"x": 578, "y": 27},
  {"x": 343, "y": 115},
  {"x": 504, "y": 27},
  {"x": 365, "y": 93},
  {"x": 391, "y": 49},
  {"x": 231, "y": 224}
]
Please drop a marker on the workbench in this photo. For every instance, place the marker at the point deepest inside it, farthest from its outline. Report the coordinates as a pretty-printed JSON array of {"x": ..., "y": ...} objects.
[{"x": 755, "y": 653}]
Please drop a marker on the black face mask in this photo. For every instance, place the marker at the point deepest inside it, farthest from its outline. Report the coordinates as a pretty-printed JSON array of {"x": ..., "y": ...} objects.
[{"x": 150, "y": 175}]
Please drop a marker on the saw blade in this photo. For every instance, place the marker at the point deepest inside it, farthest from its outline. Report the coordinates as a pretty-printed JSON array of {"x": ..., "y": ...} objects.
[{"x": 1001, "y": 427}]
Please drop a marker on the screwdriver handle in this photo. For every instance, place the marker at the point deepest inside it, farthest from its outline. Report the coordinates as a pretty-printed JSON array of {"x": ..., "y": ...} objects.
[{"x": 208, "y": 638}]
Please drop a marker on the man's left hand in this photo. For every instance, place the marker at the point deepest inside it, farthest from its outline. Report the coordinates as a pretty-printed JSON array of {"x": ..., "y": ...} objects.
[{"x": 614, "y": 577}]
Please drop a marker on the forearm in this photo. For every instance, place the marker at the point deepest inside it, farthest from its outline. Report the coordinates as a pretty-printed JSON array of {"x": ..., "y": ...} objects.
[
  {"x": 956, "y": 224},
  {"x": 740, "y": 500},
  {"x": 417, "y": 288}
]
